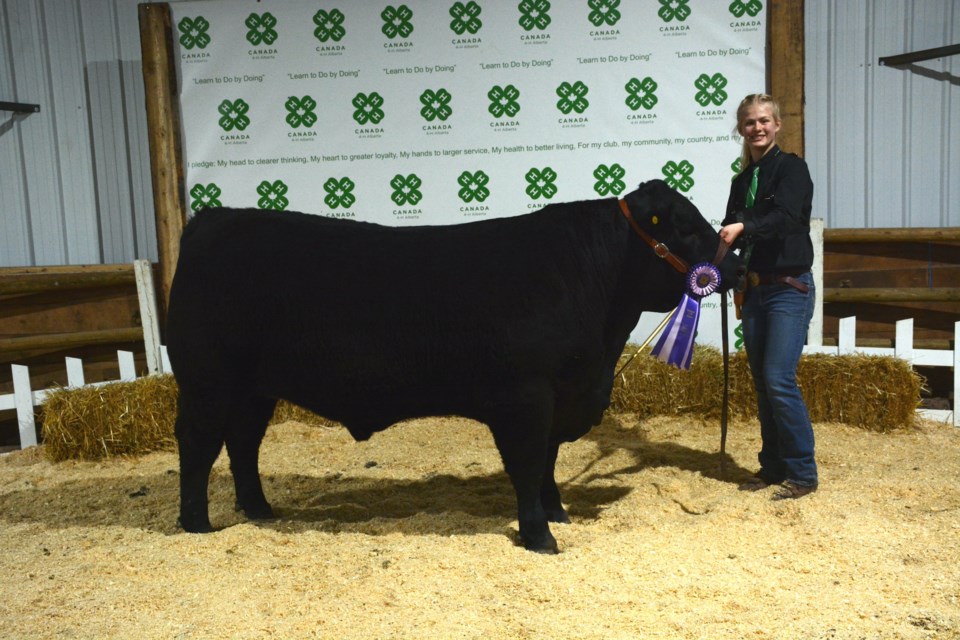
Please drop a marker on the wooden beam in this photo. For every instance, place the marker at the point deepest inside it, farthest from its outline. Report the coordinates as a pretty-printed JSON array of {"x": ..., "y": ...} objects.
[
  {"x": 785, "y": 69},
  {"x": 897, "y": 234},
  {"x": 881, "y": 296},
  {"x": 163, "y": 123},
  {"x": 42, "y": 282},
  {"x": 12, "y": 348},
  {"x": 6, "y": 272}
]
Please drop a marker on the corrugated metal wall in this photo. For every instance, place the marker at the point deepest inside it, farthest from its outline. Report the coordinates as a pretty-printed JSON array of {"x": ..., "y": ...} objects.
[
  {"x": 75, "y": 177},
  {"x": 883, "y": 143}
]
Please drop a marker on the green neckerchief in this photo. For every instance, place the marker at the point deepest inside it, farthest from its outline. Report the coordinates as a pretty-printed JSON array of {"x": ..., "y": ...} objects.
[{"x": 751, "y": 198}]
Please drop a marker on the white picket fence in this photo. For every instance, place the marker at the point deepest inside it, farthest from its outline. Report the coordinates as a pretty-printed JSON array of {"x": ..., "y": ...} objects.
[{"x": 24, "y": 399}]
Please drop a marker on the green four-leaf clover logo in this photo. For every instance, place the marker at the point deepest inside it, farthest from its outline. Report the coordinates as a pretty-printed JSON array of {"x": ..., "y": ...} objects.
[
  {"x": 641, "y": 93},
  {"x": 572, "y": 97},
  {"x": 534, "y": 14},
  {"x": 396, "y": 21},
  {"x": 193, "y": 32},
  {"x": 368, "y": 108},
  {"x": 678, "y": 176},
  {"x": 751, "y": 7},
  {"x": 329, "y": 25},
  {"x": 205, "y": 196},
  {"x": 300, "y": 111},
  {"x": 503, "y": 101},
  {"x": 272, "y": 195},
  {"x": 466, "y": 17},
  {"x": 233, "y": 115},
  {"x": 710, "y": 89},
  {"x": 261, "y": 29},
  {"x": 674, "y": 9},
  {"x": 406, "y": 190},
  {"x": 603, "y": 12},
  {"x": 609, "y": 179},
  {"x": 436, "y": 105},
  {"x": 339, "y": 193},
  {"x": 540, "y": 183},
  {"x": 473, "y": 186}
]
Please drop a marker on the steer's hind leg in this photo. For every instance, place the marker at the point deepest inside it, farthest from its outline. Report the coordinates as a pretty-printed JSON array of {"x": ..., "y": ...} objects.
[
  {"x": 199, "y": 431},
  {"x": 521, "y": 438},
  {"x": 243, "y": 437},
  {"x": 549, "y": 493}
]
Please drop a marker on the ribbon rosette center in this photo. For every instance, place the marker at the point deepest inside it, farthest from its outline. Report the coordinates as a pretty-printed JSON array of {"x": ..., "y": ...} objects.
[{"x": 703, "y": 280}]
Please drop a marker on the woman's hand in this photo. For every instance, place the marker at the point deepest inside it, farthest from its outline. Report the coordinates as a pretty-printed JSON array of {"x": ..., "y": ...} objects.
[{"x": 731, "y": 232}]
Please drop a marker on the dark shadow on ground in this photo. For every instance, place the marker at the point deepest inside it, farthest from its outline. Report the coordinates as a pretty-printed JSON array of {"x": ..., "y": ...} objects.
[{"x": 482, "y": 503}]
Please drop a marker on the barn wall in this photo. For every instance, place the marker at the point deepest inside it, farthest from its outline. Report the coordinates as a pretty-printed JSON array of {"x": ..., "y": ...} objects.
[
  {"x": 75, "y": 177},
  {"x": 883, "y": 143}
]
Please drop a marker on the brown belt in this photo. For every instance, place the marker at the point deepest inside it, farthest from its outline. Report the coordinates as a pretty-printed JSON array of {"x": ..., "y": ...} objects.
[{"x": 790, "y": 278}]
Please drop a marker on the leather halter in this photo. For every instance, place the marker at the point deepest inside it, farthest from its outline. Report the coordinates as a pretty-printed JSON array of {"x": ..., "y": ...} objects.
[{"x": 662, "y": 250}]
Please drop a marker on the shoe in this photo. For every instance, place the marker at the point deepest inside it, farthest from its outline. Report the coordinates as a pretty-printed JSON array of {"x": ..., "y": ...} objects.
[
  {"x": 756, "y": 483},
  {"x": 791, "y": 491}
]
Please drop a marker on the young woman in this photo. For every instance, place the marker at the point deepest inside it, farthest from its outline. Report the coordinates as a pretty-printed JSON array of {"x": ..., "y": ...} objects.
[{"x": 768, "y": 219}]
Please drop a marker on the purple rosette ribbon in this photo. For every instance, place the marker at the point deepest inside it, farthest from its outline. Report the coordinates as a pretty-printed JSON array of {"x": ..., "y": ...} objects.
[{"x": 675, "y": 346}]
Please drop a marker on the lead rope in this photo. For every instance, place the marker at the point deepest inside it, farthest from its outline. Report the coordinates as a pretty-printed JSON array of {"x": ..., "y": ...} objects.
[
  {"x": 725, "y": 406},
  {"x": 643, "y": 346}
]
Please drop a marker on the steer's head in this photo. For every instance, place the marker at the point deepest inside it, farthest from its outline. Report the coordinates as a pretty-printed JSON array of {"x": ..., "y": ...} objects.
[{"x": 676, "y": 224}]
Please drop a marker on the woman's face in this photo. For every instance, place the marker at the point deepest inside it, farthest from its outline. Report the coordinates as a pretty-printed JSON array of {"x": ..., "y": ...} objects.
[{"x": 759, "y": 128}]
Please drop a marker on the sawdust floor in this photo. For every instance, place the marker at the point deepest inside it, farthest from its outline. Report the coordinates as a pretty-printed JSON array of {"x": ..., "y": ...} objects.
[{"x": 410, "y": 535}]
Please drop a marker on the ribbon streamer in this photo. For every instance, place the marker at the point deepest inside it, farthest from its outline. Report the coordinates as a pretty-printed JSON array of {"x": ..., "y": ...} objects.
[{"x": 675, "y": 346}]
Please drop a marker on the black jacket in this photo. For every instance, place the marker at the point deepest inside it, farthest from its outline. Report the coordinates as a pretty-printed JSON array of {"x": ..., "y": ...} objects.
[{"x": 778, "y": 224}]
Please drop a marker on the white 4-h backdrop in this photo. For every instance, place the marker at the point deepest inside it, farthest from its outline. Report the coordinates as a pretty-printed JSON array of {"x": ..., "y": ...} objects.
[{"x": 440, "y": 111}]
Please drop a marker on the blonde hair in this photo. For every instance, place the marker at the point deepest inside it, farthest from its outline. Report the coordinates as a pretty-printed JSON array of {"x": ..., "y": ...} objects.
[{"x": 752, "y": 100}]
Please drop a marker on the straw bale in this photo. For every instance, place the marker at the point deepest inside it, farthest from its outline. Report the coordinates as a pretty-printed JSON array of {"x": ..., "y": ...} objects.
[
  {"x": 879, "y": 393},
  {"x": 122, "y": 418},
  {"x": 287, "y": 411},
  {"x": 125, "y": 418}
]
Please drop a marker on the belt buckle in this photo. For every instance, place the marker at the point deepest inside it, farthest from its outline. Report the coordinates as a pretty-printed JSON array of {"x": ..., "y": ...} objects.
[{"x": 753, "y": 278}]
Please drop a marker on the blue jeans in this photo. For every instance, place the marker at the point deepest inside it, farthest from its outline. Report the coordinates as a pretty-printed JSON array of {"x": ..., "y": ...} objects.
[{"x": 775, "y": 321}]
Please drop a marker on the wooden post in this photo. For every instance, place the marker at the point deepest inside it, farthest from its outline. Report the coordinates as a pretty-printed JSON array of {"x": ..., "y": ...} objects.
[
  {"x": 163, "y": 123},
  {"x": 785, "y": 69},
  {"x": 148, "y": 314},
  {"x": 815, "y": 332}
]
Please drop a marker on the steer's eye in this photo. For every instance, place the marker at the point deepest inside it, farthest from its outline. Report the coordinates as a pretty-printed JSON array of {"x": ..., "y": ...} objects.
[{"x": 655, "y": 220}]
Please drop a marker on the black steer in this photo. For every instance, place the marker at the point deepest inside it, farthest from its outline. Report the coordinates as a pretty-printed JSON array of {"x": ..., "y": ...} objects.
[{"x": 515, "y": 322}]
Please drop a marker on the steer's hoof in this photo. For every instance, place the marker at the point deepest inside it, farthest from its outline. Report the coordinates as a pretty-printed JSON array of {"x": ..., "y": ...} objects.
[
  {"x": 546, "y": 545},
  {"x": 258, "y": 512},
  {"x": 558, "y": 515},
  {"x": 194, "y": 526}
]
